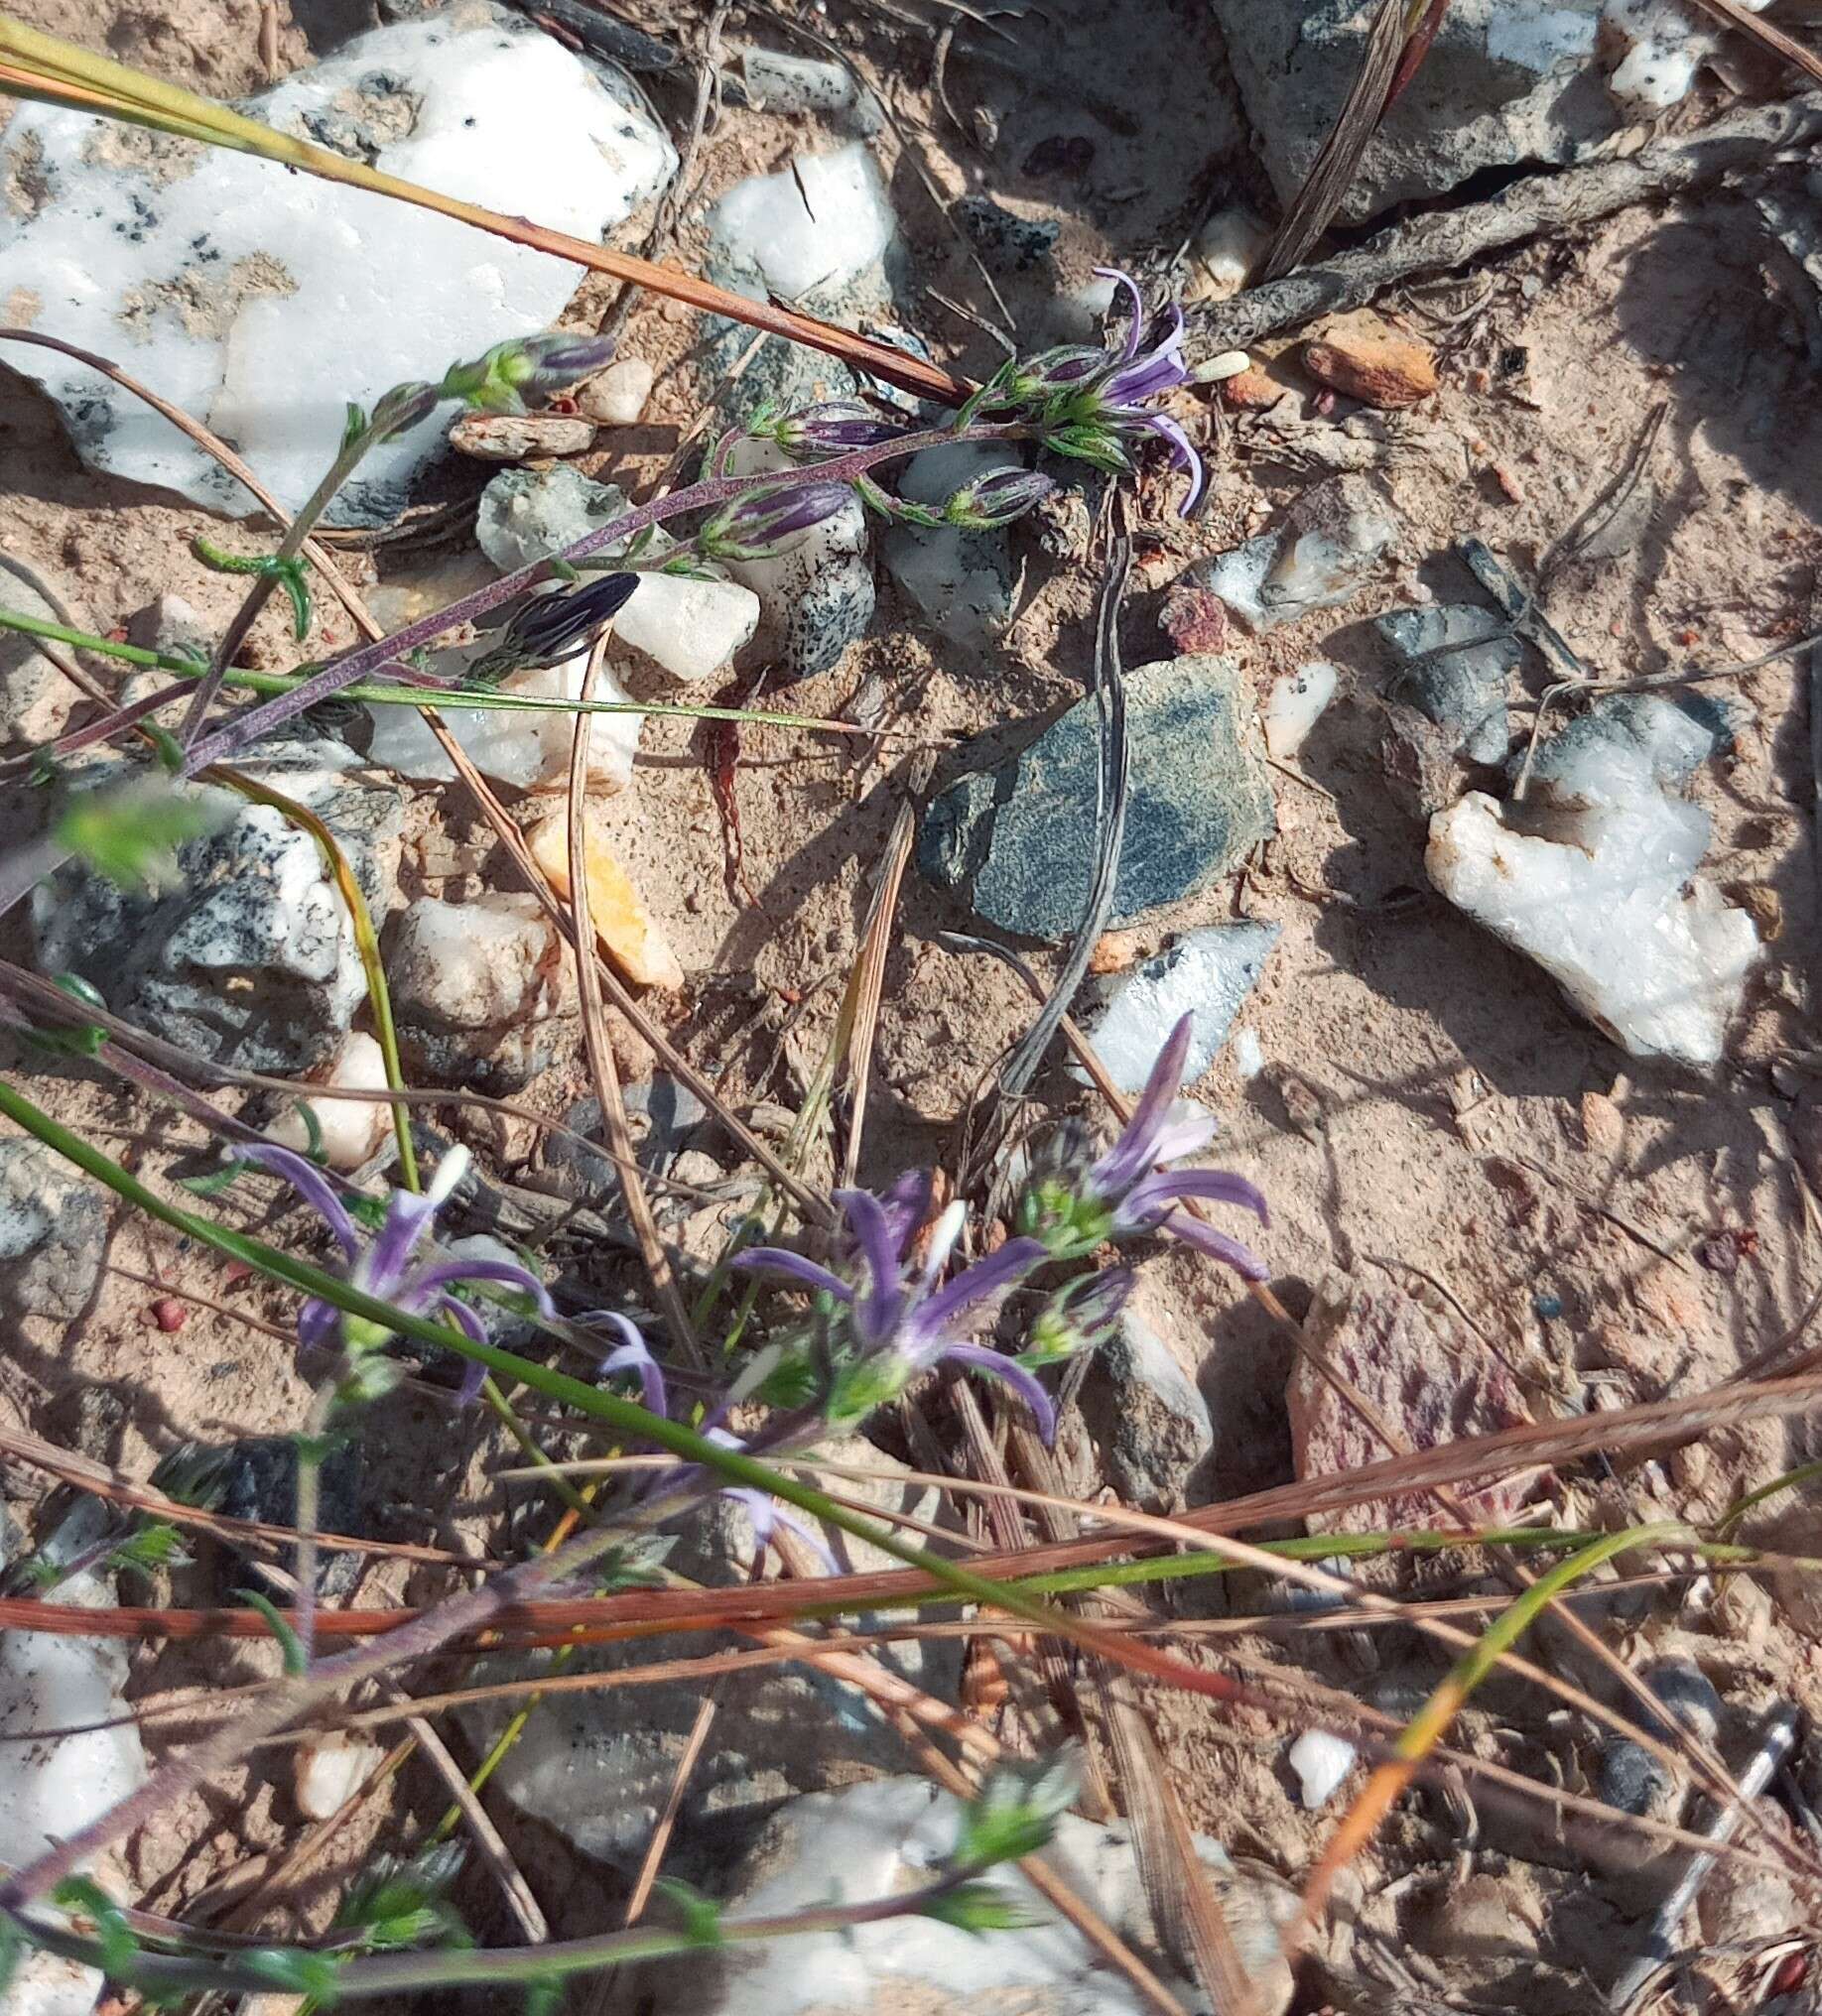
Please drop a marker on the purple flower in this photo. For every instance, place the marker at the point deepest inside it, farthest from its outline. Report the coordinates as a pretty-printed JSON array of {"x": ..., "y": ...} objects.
[
  {"x": 1140, "y": 376},
  {"x": 1140, "y": 1197},
  {"x": 895, "y": 1319},
  {"x": 766, "y": 1512},
  {"x": 387, "y": 1268}
]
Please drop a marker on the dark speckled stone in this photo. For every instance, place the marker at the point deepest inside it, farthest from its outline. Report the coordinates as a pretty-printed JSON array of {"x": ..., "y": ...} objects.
[{"x": 1017, "y": 840}]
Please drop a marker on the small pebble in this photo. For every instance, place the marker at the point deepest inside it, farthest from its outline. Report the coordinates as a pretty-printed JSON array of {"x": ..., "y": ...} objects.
[
  {"x": 520, "y": 437},
  {"x": 169, "y": 1314},
  {"x": 330, "y": 1773},
  {"x": 1380, "y": 368},
  {"x": 626, "y": 928},
  {"x": 1321, "y": 1761},
  {"x": 351, "y": 1129},
  {"x": 1248, "y": 1056},
  {"x": 617, "y": 396}
]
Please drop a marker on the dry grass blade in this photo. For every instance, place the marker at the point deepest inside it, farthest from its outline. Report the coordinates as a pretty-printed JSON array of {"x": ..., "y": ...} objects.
[
  {"x": 1333, "y": 169},
  {"x": 860, "y": 1014},
  {"x": 603, "y": 1069},
  {"x": 1766, "y": 34}
]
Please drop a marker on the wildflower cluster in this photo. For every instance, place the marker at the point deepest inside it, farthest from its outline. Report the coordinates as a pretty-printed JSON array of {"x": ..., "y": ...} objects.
[
  {"x": 1093, "y": 405},
  {"x": 1082, "y": 402}
]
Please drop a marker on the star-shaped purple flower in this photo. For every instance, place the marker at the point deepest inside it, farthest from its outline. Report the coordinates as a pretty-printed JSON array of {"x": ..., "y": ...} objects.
[
  {"x": 898, "y": 1321},
  {"x": 387, "y": 1267},
  {"x": 1141, "y": 1197}
]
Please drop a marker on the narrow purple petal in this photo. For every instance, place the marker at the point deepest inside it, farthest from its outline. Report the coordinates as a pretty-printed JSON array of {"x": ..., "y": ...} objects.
[
  {"x": 1144, "y": 378},
  {"x": 881, "y": 1304},
  {"x": 426, "y": 1281},
  {"x": 467, "y": 1319},
  {"x": 793, "y": 1267},
  {"x": 907, "y": 1204},
  {"x": 637, "y": 1354},
  {"x": 1154, "y": 1195},
  {"x": 768, "y": 1515},
  {"x": 473, "y": 1378},
  {"x": 317, "y": 1322},
  {"x": 1184, "y": 1133},
  {"x": 310, "y": 1184},
  {"x": 1182, "y": 453},
  {"x": 996, "y": 1366},
  {"x": 1135, "y": 1152},
  {"x": 1216, "y": 1245},
  {"x": 989, "y": 1277},
  {"x": 1137, "y": 324},
  {"x": 383, "y": 1265}
]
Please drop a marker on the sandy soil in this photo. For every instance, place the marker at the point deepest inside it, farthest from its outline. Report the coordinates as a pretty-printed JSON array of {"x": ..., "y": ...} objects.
[{"x": 1449, "y": 1084}]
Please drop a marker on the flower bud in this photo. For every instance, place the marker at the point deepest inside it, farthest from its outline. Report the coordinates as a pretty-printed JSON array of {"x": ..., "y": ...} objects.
[
  {"x": 400, "y": 410},
  {"x": 498, "y": 380},
  {"x": 835, "y": 427},
  {"x": 551, "y": 628},
  {"x": 996, "y": 498},
  {"x": 756, "y": 525}
]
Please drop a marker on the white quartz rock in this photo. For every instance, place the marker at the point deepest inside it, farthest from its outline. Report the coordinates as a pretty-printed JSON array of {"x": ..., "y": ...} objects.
[
  {"x": 873, "y": 1839},
  {"x": 686, "y": 629},
  {"x": 264, "y": 301},
  {"x": 483, "y": 992},
  {"x": 1295, "y": 704},
  {"x": 352, "y": 1129},
  {"x": 331, "y": 1770},
  {"x": 1324, "y": 551},
  {"x": 528, "y": 749},
  {"x": 1207, "y": 975},
  {"x": 962, "y": 580},
  {"x": 1610, "y": 905},
  {"x": 50, "y": 1790},
  {"x": 818, "y": 225},
  {"x": 1665, "y": 45},
  {"x": 1321, "y": 1761},
  {"x": 1223, "y": 252}
]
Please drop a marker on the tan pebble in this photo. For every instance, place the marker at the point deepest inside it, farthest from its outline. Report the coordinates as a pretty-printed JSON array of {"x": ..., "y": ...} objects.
[
  {"x": 1762, "y": 904},
  {"x": 1692, "y": 1469},
  {"x": 617, "y": 396},
  {"x": 1375, "y": 366},
  {"x": 1253, "y": 390},
  {"x": 1603, "y": 1124},
  {"x": 519, "y": 437},
  {"x": 625, "y": 927},
  {"x": 1114, "y": 951}
]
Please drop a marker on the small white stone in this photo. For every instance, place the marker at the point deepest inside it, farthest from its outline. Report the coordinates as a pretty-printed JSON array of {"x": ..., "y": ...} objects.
[
  {"x": 263, "y": 301},
  {"x": 617, "y": 396},
  {"x": 1295, "y": 704},
  {"x": 50, "y": 1790},
  {"x": 819, "y": 223},
  {"x": 687, "y": 629},
  {"x": 1206, "y": 975},
  {"x": 1610, "y": 903},
  {"x": 1248, "y": 1055},
  {"x": 1223, "y": 252},
  {"x": 1218, "y": 369},
  {"x": 1665, "y": 45},
  {"x": 1321, "y": 1761},
  {"x": 352, "y": 1129},
  {"x": 329, "y": 1771}
]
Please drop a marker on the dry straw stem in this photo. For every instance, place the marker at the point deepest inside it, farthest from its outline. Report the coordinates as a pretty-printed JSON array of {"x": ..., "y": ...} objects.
[{"x": 39, "y": 66}]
